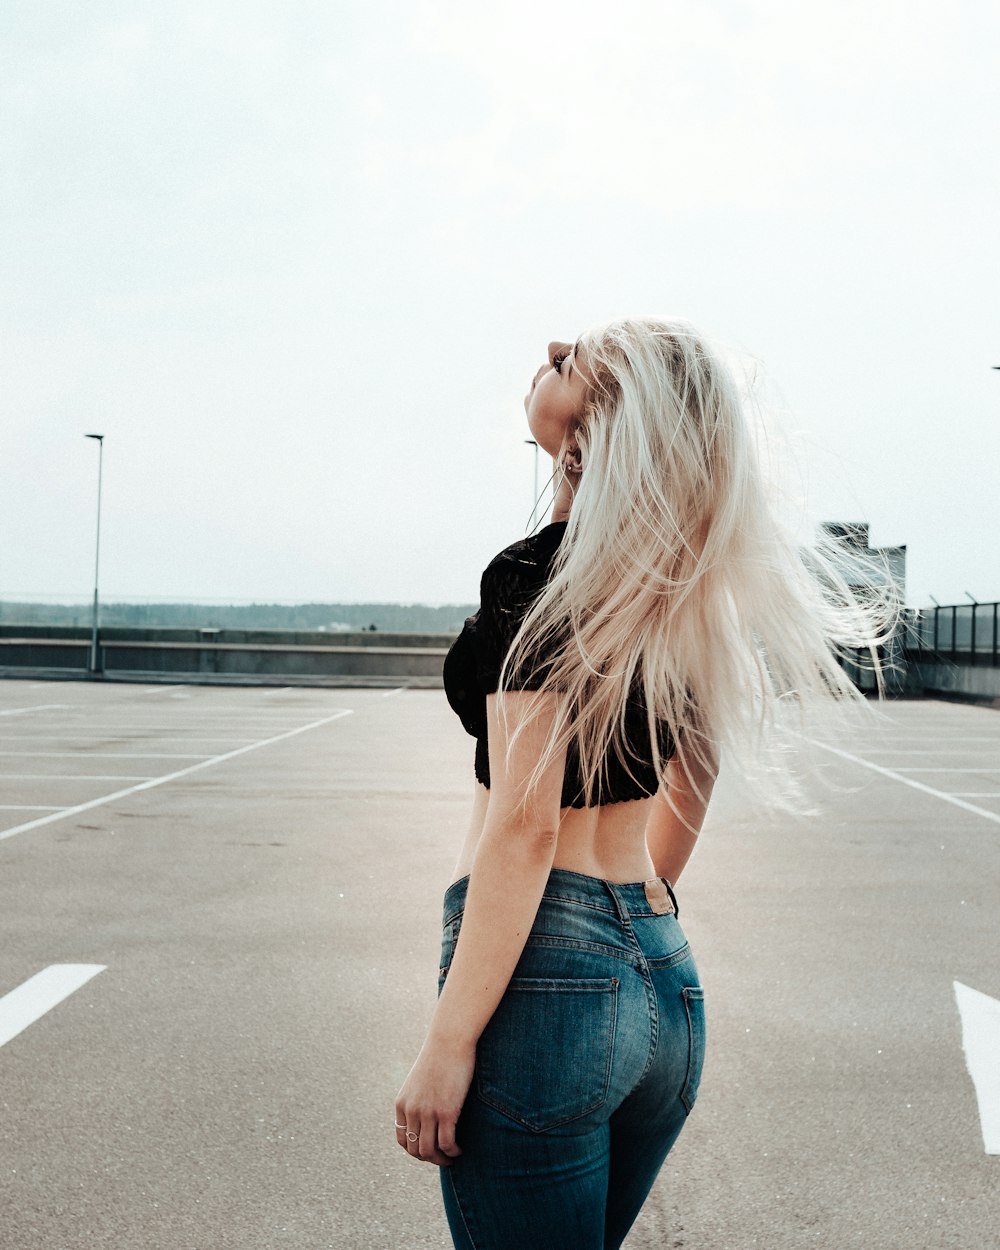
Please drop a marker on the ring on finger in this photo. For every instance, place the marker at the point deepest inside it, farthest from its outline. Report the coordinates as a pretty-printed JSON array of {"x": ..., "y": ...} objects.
[{"x": 411, "y": 1136}]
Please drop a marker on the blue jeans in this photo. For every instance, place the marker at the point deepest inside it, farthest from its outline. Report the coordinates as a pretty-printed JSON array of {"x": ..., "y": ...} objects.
[{"x": 585, "y": 1074}]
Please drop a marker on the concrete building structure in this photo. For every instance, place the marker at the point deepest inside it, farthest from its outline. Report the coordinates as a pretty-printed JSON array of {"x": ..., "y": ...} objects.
[
  {"x": 861, "y": 564},
  {"x": 869, "y": 569}
]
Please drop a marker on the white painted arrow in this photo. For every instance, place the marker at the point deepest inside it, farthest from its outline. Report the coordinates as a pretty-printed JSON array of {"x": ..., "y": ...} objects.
[
  {"x": 40, "y": 993},
  {"x": 981, "y": 1042}
]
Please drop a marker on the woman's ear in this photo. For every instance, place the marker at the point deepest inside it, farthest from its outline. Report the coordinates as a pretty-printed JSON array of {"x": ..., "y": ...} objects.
[{"x": 571, "y": 456}]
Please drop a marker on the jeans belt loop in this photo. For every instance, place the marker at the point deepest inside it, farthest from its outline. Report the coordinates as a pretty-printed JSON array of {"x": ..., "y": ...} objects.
[{"x": 620, "y": 906}]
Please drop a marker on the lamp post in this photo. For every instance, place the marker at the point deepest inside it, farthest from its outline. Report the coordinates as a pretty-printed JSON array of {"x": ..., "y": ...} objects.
[
  {"x": 534, "y": 498},
  {"x": 94, "y": 666}
]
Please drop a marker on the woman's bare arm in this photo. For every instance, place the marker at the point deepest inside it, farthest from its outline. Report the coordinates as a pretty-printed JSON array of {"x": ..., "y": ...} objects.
[
  {"x": 678, "y": 810},
  {"x": 511, "y": 865}
]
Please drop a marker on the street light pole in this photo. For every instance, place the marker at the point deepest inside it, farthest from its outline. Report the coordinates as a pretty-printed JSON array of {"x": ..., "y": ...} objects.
[
  {"x": 94, "y": 666},
  {"x": 534, "y": 497}
]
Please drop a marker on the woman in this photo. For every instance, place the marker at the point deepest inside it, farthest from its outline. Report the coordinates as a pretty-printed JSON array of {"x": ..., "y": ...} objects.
[{"x": 658, "y": 619}]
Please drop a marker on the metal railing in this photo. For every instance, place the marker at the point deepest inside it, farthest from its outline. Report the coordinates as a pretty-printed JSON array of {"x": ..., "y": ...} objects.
[{"x": 965, "y": 633}]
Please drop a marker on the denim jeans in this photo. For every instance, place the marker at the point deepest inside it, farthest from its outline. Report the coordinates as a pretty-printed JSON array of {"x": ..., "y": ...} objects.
[{"x": 585, "y": 1074}]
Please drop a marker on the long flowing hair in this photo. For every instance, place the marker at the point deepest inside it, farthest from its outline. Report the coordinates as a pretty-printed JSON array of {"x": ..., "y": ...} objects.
[{"x": 675, "y": 580}]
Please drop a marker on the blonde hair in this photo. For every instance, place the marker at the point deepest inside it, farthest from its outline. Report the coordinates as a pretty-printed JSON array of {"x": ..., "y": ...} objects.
[{"x": 675, "y": 579}]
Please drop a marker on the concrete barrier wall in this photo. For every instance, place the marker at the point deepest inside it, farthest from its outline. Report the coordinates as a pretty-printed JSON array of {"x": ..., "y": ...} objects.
[
  {"x": 368, "y": 658},
  {"x": 313, "y": 639},
  {"x": 972, "y": 681},
  {"x": 43, "y": 653},
  {"x": 365, "y": 658}
]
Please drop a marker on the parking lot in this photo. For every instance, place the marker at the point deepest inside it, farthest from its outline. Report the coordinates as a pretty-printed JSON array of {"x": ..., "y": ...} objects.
[{"x": 220, "y": 911}]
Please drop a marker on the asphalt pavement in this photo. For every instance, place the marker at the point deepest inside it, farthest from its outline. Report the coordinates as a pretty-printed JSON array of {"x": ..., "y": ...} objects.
[{"x": 220, "y": 947}]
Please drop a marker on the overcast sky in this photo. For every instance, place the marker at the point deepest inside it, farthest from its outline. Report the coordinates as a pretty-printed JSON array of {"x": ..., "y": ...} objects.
[{"x": 299, "y": 260}]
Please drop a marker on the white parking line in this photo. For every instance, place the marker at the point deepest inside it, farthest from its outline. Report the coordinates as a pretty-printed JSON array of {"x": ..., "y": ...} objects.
[
  {"x": 34, "y": 707},
  {"x": 942, "y": 770},
  {"x": 181, "y": 772},
  {"x": 247, "y": 724},
  {"x": 981, "y": 1042},
  {"x": 90, "y": 737},
  {"x": 964, "y": 751},
  {"x": 104, "y": 755},
  {"x": 31, "y": 807},
  {"x": 907, "y": 781},
  {"x": 76, "y": 776},
  {"x": 39, "y": 994},
  {"x": 924, "y": 737}
]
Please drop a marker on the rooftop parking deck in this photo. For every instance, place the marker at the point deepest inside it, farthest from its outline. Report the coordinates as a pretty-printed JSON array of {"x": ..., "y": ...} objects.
[{"x": 247, "y": 882}]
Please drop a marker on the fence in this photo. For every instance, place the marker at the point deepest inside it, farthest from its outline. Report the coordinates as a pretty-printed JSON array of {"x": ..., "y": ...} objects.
[{"x": 965, "y": 633}]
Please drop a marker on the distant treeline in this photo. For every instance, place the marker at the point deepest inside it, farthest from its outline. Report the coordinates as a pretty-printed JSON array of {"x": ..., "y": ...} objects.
[{"x": 402, "y": 618}]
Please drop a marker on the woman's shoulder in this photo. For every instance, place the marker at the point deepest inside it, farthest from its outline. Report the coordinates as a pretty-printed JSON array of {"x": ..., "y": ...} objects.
[
  {"x": 527, "y": 557},
  {"x": 515, "y": 577}
]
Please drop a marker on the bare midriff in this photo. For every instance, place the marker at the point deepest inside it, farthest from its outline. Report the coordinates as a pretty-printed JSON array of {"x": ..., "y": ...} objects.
[{"x": 607, "y": 842}]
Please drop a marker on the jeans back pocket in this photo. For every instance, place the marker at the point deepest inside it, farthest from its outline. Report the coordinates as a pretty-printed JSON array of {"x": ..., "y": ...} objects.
[
  {"x": 449, "y": 938},
  {"x": 545, "y": 1057},
  {"x": 694, "y": 1006}
]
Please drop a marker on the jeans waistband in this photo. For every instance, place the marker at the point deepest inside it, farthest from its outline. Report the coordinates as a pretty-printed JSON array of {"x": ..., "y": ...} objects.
[{"x": 654, "y": 897}]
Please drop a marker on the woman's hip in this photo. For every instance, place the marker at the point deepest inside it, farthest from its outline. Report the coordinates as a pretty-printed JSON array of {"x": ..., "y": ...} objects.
[
  {"x": 604, "y": 999},
  {"x": 587, "y": 926}
]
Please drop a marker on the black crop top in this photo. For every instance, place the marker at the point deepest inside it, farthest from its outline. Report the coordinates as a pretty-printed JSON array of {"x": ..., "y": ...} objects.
[{"x": 510, "y": 584}]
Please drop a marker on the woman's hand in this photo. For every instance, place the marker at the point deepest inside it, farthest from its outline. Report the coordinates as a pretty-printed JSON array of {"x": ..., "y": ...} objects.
[{"x": 431, "y": 1099}]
